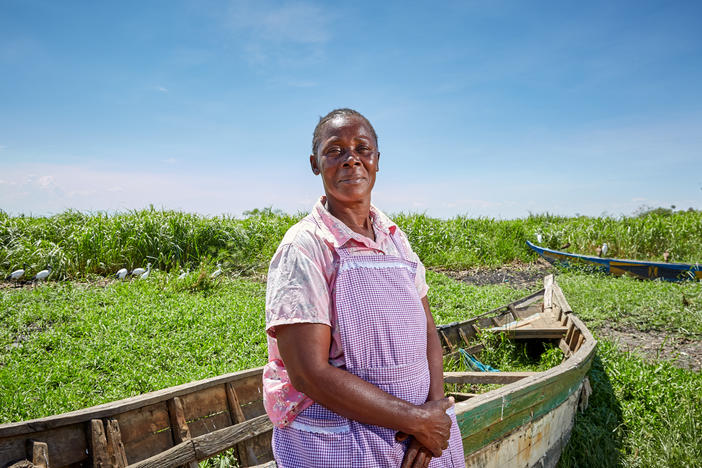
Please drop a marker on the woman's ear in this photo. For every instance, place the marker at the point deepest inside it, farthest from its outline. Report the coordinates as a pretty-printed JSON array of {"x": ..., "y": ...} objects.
[
  {"x": 313, "y": 164},
  {"x": 377, "y": 164}
]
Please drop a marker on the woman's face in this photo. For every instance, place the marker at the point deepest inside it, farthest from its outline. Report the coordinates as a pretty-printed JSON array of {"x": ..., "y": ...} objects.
[{"x": 347, "y": 159}]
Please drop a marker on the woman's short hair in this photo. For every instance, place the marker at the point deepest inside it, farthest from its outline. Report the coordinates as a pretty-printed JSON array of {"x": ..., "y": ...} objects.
[{"x": 332, "y": 115}]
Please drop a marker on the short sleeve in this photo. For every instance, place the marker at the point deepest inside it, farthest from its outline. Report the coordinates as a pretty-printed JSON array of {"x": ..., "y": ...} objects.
[{"x": 297, "y": 291}]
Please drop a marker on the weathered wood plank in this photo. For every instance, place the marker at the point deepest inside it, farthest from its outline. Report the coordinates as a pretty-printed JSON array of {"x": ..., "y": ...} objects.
[
  {"x": 537, "y": 442},
  {"x": 270, "y": 464},
  {"x": 145, "y": 431},
  {"x": 559, "y": 298},
  {"x": 115, "y": 445},
  {"x": 98, "y": 444},
  {"x": 548, "y": 292},
  {"x": 249, "y": 390},
  {"x": 461, "y": 396},
  {"x": 207, "y": 445},
  {"x": 211, "y": 444},
  {"x": 447, "y": 342},
  {"x": 564, "y": 347},
  {"x": 121, "y": 406},
  {"x": 527, "y": 333},
  {"x": 179, "y": 426},
  {"x": 247, "y": 456},
  {"x": 574, "y": 339},
  {"x": 485, "y": 377},
  {"x": 67, "y": 445},
  {"x": 206, "y": 410},
  {"x": 253, "y": 409},
  {"x": 181, "y": 454},
  {"x": 40, "y": 454}
]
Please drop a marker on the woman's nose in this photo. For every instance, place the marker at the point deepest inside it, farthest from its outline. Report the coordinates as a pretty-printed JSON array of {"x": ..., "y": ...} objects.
[{"x": 351, "y": 158}]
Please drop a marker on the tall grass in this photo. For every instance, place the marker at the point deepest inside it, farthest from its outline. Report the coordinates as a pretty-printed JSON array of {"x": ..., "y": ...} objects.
[
  {"x": 466, "y": 242},
  {"x": 78, "y": 244}
]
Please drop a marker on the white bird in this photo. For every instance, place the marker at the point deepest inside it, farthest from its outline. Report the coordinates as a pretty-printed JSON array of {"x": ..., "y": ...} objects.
[
  {"x": 43, "y": 274},
  {"x": 539, "y": 238},
  {"x": 183, "y": 274},
  {"x": 217, "y": 272},
  {"x": 146, "y": 273},
  {"x": 17, "y": 274},
  {"x": 122, "y": 273},
  {"x": 140, "y": 271},
  {"x": 605, "y": 247}
]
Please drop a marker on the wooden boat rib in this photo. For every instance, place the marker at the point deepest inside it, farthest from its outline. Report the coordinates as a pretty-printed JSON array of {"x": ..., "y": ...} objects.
[
  {"x": 525, "y": 422},
  {"x": 618, "y": 267}
]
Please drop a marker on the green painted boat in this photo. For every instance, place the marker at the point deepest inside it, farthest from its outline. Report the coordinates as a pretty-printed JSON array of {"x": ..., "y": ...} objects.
[{"x": 525, "y": 421}]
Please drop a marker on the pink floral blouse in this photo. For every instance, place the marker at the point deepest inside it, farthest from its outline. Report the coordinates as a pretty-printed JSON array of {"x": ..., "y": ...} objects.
[{"x": 301, "y": 277}]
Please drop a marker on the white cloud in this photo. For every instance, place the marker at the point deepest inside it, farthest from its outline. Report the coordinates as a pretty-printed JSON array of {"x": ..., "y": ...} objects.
[
  {"x": 296, "y": 22},
  {"x": 292, "y": 33},
  {"x": 45, "y": 181},
  {"x": 162, "y": 89}
]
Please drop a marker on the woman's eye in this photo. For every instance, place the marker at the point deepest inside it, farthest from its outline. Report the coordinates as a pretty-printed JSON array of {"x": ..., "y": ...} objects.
[{"x": 333, "y": 151}]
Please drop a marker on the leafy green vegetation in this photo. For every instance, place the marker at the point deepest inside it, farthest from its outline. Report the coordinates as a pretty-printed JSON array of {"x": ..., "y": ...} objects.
[
  {"x": 69, "y": 345},
  {"x": 78, "y": 244},
  {"x": 631, "y": 303},
  {"x": 65, "y": 346},
  {"x": 639, "y": 415}
]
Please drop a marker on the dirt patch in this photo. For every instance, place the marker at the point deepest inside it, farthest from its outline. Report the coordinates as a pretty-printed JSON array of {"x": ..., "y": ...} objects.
[
  {"x": 685, "y": 353},
  {"x": 517, "y": 275}
]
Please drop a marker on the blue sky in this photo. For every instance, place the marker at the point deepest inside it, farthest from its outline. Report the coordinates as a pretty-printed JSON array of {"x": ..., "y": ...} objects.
[{"x": 492, "y": 108}]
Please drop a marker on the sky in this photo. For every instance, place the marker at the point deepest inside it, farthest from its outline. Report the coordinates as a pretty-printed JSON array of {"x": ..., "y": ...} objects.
[{"x": 486, "y": 109}]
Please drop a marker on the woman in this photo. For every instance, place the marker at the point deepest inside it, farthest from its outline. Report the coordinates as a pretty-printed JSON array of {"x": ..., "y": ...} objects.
[{"x": 355, "y": 374}]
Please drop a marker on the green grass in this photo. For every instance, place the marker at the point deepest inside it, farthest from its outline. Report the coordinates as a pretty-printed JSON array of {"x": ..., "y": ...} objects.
[
  {"x": 630, "y": 303},
  {"x": 463, "y": 242},
  {"x": 452, "y": 300},
  {"x": 65, "y": 346},
  {"x": 78, "y": 244},
  {"x": 639, "y": 415}
]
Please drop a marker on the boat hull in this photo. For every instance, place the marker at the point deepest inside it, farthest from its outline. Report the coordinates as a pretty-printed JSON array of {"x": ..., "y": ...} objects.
[
  {"x": 537, "y": 442},
  {"x": 618, "y": 267}
]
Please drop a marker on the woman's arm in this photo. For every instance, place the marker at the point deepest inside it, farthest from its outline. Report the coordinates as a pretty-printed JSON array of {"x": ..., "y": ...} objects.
[
  {"x": 304, "y": 349},
  {"x": 434, "y": 356},
  {"x": 418, "y": 456}
]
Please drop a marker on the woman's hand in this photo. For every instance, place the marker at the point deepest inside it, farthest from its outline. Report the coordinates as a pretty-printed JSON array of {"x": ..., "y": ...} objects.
[
  {"x": 416, "y": 456},
  {"x": 435, "y": 427}
]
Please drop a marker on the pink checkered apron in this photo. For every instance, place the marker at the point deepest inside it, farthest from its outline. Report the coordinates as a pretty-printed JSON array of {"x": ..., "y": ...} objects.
[{"x": 383, "y": 334}]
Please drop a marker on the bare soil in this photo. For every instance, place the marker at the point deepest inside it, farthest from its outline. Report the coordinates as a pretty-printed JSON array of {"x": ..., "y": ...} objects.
[
  {"x": 685, "y": 353},
  {"x": 516, "y": 275}
]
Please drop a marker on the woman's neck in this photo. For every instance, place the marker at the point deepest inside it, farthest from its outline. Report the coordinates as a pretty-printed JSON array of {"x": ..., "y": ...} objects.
[{"x": 355, "y": 216}]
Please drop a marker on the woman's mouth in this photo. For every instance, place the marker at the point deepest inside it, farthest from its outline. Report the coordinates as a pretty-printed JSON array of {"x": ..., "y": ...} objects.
[{"x": 352, "y": 180}]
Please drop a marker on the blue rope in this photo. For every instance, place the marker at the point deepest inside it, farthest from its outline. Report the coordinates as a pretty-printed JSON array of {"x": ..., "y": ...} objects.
[{"x": 473, "y": 363}]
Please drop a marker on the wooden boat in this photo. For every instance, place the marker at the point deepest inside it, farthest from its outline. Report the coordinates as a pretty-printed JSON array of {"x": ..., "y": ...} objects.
[
  {"x": 638, "y": 268},
  {"x": 524, "y": 422}
]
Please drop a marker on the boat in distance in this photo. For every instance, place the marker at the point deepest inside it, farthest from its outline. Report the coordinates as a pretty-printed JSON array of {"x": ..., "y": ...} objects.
[
  {"x": 641, "y": 269},
  {"x": 525, "y": 421}
]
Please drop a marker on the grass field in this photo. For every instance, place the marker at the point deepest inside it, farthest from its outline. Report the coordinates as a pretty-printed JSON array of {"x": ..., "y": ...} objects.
[
  {"x": 65, "y": 345},
  {"x": 78, "y": 244}
]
